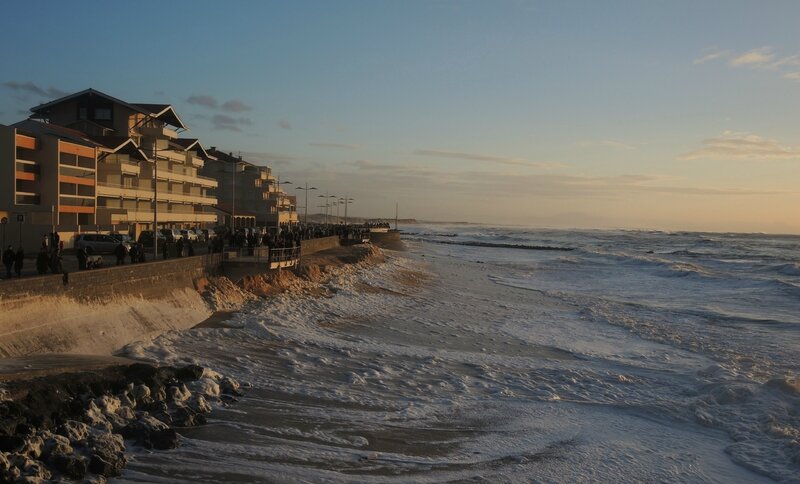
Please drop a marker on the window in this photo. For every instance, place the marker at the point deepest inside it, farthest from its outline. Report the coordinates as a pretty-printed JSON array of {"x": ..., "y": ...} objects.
[
  {"x": 82, "y": 114},
  {"x": 102, "y": 114}
]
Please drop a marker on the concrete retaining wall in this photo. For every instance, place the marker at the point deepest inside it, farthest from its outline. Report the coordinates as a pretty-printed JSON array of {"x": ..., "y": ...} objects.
[
  {"x": 101, "y": 310},
  {"x": 387, "y": 240},
  {"x": 311, "y": 246}
]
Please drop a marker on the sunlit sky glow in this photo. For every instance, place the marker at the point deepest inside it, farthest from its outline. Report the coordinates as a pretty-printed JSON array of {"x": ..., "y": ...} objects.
[{"x": 666, "y": 115}]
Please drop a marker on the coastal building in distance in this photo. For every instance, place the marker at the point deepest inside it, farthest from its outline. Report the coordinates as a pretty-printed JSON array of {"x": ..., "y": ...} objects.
[
  {"x": 136, "y": 141},
  {"x": 249, "y": 195},
  {"x": 48, "y": 181},
  {"x": 89, "y": 162}
]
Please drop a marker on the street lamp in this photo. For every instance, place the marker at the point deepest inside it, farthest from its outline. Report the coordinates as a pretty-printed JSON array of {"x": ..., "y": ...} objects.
[
  {"x": 346, "y": 201},
  {"x": 306, "y": 189},
  {"x": 233, "y": 204},
  {"x": 326, "y": 197}
]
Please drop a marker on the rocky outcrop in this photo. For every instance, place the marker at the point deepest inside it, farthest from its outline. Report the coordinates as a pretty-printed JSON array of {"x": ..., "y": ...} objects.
[{"x": 77, "y": 426}]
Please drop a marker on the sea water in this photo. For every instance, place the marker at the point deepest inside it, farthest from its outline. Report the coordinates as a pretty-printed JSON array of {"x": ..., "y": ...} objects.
[{"x": 478, "y": 356}]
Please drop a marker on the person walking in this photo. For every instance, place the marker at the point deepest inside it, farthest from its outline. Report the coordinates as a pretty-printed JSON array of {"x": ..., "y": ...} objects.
[
  {"x": 19, "y": 259},
  {"x": 8, "y": 260},
  {"x": 179, "y": 248}
]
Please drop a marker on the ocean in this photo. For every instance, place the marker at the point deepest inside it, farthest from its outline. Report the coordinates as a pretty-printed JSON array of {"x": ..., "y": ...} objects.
[{"x": 478, "y": 356}]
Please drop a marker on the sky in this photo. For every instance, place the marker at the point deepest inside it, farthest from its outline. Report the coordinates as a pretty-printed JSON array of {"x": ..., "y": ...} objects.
[{"x": 669, "y": 115}]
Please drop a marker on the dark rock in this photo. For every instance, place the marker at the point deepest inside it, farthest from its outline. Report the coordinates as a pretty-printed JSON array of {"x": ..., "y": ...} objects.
[
  {"x": 150, "y": 432},
  {"x": 24, "y": 429},
  {"x": 76, "y": 432},
  {"x": 190, "y": 372},
  {"x": 103, "y": 467},
  {"x": 71, "y": 466},
  {"x": 10, "y": 443},
  {"x": 184, "y": 417}
]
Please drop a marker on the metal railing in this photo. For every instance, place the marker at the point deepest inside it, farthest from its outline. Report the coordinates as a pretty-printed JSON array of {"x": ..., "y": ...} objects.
[{"x": 277, "y": 257}]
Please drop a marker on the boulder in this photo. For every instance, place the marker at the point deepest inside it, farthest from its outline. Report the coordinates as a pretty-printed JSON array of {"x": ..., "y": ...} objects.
[
  {"x": 151, "y": 433},
  {"x": 72, "y": 466},
  {"x": 56, "y": 445},
  {"x": 76, "y": 432}
]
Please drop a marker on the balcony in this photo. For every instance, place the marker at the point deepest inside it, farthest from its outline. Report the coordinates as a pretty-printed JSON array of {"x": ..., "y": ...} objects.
[
  {"x": 167, "y": 217},
  {"x": 27, "y": 198},
  {"x": 145, "y": 191},
  {"x": 158, "y": 132}
]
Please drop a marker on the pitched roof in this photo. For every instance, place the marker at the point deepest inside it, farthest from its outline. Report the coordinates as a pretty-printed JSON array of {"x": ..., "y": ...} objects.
[
  {"x": 120, "y": 144},
  {"x": 164, "y": 112},
  {"x": 37, "y": 128}
]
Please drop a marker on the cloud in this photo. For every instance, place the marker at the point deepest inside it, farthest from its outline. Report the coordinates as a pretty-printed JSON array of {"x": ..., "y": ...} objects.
[
  {"x": 742, "y": 146},
  {"x": 159, "y": 93},
  {"x": 417, "y": 178},
  {"x": 792, "y": 75},
  {"x": 713, "y": 55},
  {"x": 228, "y": 123},
  {"x": 269, "y": 158},
  {"x": 235, "y": 106},
  {"x": 29, "y": 87},
  {"x": 489, "y": 158},
  {"x": 344, "y": 146},
  {"x": 284, "y": 124},
  {"x": 203, "y": 100},
  {"x": 23, "y": 112},
  {"x": 760, "y": 57},
  {"x": 763, "y": 58}
]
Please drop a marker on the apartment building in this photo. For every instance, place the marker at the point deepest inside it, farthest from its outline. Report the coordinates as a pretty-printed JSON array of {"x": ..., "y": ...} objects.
[
  {"x": 138, "y": 143},
  {"x": 48, "y": 182},
  {"x": 249, "y": 195}
]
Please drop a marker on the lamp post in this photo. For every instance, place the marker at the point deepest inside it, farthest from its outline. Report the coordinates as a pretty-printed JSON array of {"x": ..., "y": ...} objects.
[
  {"x": 346, "y": 201},
  {"x": 326, "y": 197},
  {"x": 233, "y": 197},
  {"x": 155, "y": 199},
  {"x": 306, "y": 189}
]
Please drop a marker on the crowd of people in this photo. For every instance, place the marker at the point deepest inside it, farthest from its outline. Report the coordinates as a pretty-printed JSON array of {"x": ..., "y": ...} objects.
[{"x": 50, "y": 256}]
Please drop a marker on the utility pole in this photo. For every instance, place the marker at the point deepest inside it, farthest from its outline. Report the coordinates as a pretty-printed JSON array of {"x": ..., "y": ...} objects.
[
  {"x": 305, "y": 215},
  {"x": 155, "y": 198},
  {"x": 395, "y": 215}
]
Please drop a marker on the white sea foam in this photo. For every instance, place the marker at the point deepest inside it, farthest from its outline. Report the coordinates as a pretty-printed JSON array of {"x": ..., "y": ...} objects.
[{"x": 542, "y": 371}]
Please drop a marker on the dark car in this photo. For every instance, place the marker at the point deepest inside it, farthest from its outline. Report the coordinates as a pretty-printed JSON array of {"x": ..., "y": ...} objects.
[{"x": 146, "y": 238}]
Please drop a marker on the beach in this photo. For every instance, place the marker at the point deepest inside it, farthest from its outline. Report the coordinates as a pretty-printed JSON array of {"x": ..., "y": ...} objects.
[
  {"x": 433, "y": 366},
  {"x": 451, "y": 362}
]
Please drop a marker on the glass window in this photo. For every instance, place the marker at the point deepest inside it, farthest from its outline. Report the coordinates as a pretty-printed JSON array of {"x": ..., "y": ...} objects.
[{"x": 103, "y": 114}]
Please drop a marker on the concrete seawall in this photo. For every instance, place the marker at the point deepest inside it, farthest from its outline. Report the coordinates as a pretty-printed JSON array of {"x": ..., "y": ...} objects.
[
  {"x": 101, "y": 310},
  {"x": 311, "y": 246}
]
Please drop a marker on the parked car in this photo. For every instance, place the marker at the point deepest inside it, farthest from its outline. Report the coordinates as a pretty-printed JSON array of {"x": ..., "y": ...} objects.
[
  {"x": 98, "y": 243},
  {"x": 146, "y": 238},
  {"x": 190, "y": 235},
  {"x": 172, "y": 235},
  {"x": 127, "y": 239}
]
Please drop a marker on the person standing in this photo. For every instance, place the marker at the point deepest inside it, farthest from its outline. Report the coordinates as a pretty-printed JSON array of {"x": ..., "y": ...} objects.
[
  {"x": 190, "y": 248},
  {"x": 19, "y": 259},
  {"x": 120, "y": 251},
  {"x": 82, "y": 258},
  {"x": 179, "y": 247},
  {"x": 8, "y": 260},
  {"x": 42, "y": 261}
]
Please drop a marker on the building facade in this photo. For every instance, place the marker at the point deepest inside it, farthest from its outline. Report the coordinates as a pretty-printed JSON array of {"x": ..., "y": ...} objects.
[
  {"x": 48, "y": 182},
  {"x": 141, "y": 160},
  {"x": 248, "y": 195}
]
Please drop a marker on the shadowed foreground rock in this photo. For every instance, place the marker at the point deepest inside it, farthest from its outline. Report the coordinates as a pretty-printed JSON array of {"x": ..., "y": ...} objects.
[{"x": 75, "y": 425}]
